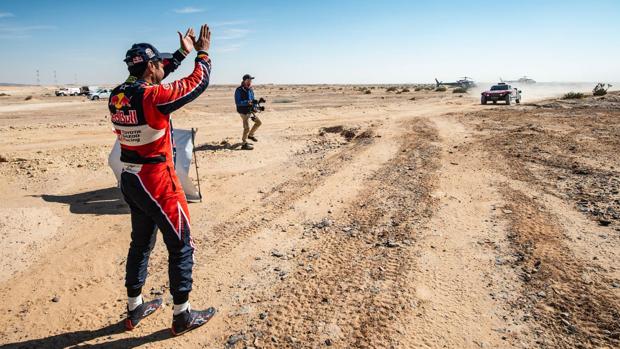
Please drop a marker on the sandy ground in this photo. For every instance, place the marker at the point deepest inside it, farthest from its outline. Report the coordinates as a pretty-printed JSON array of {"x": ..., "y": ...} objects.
[{"x": 415, "y": 219}]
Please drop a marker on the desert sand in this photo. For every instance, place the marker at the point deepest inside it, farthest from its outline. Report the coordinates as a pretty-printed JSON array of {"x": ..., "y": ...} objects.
[{"x": 413, "y": 219}]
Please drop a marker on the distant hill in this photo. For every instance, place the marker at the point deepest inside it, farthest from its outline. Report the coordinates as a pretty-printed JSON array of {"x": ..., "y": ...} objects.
[{"x": 12, "y": 84}]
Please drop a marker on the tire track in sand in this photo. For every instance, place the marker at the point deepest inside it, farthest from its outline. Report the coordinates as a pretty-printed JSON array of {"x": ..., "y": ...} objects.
[{"x": 356, "y": 288}]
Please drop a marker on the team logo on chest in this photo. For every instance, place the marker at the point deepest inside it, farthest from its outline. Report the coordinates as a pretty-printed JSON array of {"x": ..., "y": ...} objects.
[{"x": 120, "y": 101}]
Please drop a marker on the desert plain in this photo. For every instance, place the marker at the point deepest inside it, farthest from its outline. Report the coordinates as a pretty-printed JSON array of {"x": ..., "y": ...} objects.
[{"x": 392, "y": 218}]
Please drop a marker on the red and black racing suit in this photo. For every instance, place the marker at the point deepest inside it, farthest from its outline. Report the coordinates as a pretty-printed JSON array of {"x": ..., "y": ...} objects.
[{"x": 140, "y": 113}]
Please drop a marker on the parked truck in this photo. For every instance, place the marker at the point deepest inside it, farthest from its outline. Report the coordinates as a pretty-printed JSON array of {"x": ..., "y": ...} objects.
[{"x": 67, "y": 91}]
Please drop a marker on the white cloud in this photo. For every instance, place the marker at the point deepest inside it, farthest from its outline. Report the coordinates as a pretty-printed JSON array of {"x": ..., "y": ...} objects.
[
  {"x": 6, "y": 14},
  {"x": 229, "y": 48},
  {"x": 228, "y": 23},
  {"x": 232, "y": 33},
  {"x": 21, "y": 32},
  {"x": 188, "y": 9}
]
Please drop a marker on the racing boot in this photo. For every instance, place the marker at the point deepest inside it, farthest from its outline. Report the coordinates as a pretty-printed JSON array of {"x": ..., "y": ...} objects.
[
  {"x": 190, "y": 319},
  {"x": 247, "y": 146},
  {"x": 143, "y": 310}
]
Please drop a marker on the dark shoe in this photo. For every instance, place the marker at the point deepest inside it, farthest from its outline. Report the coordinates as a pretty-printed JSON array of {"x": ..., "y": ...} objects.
[
  {"x": 190, "y": 320},
  {"x": 253, "y": 138},
  {"x": 247, "y": 146},
  {"x": 143, "y": 310}
]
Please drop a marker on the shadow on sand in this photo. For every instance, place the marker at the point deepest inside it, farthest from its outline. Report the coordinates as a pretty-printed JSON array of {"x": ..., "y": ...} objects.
[
  {"x": 107, "y": 201},
  {"x": 76, "y": 339},
  {"x": 218, "y": 146}
]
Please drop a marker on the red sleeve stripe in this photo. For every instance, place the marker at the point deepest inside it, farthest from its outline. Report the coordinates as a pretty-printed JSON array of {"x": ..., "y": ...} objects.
[{"x": 202, "y": 79}]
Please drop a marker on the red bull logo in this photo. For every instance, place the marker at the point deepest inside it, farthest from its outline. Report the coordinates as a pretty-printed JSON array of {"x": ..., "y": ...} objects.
[{"x": 119, "y": 101}]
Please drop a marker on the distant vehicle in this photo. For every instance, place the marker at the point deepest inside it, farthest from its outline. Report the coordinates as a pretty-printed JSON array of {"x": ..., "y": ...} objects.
[
  {"x": 464, "y": 82},
  {"x": 67, "y": 91},
  {"x": 86, "y": 90},
  {"x": 523, "y": 80},
  {"x": 101, "y": 93},
  {"x": 501, "y": 92}
]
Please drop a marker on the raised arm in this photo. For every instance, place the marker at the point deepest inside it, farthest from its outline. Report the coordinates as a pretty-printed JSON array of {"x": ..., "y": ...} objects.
[
  {"x": 172, "y": 96},
  {"x": 186, "y": 44}
]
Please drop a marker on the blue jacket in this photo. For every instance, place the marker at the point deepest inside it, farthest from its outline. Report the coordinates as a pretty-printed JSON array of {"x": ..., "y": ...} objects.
[{"x": 243, "y": 97}]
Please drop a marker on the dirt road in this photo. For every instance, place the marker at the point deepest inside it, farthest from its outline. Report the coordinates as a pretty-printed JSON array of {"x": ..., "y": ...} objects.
[{"x": 381, "y": 220}]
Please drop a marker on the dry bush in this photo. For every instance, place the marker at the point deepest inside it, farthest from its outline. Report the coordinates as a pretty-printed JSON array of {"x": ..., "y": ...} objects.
[
  {"x": 573, "y": 95},
  {"x": 441, "y": 88},
  {"x": 417, "y": 89},
  {"x": 459, "y": 90},
  {"x": 367, "y": 92},
  {"x": 600, "y": 89},
  {"x": 391, "y": 89},
  {"x": 28, "y": 98},
  {"x": 404, "y": 90}
]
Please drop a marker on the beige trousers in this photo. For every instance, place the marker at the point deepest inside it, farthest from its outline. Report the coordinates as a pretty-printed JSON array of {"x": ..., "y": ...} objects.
[{"x": 246, "y": 126}]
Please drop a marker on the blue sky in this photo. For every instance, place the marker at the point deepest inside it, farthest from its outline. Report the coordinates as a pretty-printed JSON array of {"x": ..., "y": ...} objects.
[{"x": 319, "y": 41}]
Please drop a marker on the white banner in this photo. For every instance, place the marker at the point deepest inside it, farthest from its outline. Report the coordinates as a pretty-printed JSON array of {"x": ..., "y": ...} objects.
[{"x": 184, "y": 147}]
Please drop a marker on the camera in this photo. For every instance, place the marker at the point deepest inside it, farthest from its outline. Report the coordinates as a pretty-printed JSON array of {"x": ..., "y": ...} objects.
[{"x": 256, "y": 105}]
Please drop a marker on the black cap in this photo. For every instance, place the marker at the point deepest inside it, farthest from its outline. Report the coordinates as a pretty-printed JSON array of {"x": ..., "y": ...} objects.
[
  {"x": 248, "y": 76},
  {"x": 142, "y": 53}
]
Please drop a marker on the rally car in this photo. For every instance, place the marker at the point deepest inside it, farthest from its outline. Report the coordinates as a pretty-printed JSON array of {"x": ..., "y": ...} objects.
[{"x": 501, "y": 92}]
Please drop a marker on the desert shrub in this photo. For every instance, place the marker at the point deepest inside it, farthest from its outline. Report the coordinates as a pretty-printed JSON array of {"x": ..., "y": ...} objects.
[
  {"x": 417, "y": 89},
  {"x": 441, "y": 88},
  {"x": 459, "y": 90},
  {"x": 573, "y": 95},
  {"x": 404, "y": 90},
  {"x": 600, "y": 89},
  {"x": 391, "y": 89},
  {"x": 28, "y": 98},
  {"x": 367, "y": 92},
  {"x": 4, "y": 94}
]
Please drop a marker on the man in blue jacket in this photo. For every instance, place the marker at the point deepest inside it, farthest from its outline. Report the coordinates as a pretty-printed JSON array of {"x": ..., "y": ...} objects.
[{"x": 244, "y": 99}]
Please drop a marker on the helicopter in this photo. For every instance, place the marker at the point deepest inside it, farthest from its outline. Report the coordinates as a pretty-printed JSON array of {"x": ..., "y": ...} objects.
[
  {"x": 464, "y": 82},
  {"x": 523, "y": 80}
]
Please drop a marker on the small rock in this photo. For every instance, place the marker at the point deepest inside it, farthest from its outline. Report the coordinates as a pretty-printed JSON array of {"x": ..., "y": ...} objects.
[
  {"x": 277, "y": 253},
  {"x": 292, "y": 339},
  {"x": 233, "y": 339},
  {"x": 391, "y": 244},
  {"x": 262, "y": 315},
  {"x": 328, "y": 342},
  {"x": 56, "y": 299},
  {"x": 507, "y": 211},
  {"x": 541, "y": 294},
  {"x": 324, "y": 223}
]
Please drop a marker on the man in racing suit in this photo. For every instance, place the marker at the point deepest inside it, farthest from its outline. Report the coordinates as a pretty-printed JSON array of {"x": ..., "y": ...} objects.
[{"x": 140, "y": 110}]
